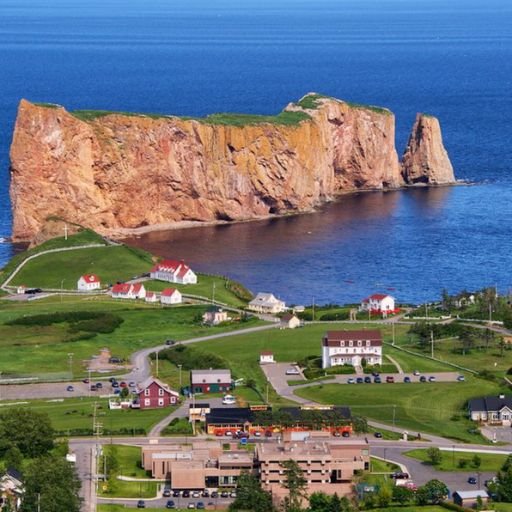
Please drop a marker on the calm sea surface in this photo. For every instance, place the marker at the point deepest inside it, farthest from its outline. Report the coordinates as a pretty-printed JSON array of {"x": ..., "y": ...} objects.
[{"x": 451, "y": 59}]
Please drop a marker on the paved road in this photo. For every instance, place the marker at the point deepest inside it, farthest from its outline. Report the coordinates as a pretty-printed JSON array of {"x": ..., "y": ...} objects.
[{"x": 141, "y": 371}]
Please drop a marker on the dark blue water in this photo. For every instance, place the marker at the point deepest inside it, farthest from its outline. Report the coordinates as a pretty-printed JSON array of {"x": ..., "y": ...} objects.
[{"x": 451, "y": 59}]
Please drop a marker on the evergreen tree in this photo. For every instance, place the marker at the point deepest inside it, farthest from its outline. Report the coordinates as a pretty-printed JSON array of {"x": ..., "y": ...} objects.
[
  {"x": 296, "y": 485},
  {"x": 250, "y": 495}
]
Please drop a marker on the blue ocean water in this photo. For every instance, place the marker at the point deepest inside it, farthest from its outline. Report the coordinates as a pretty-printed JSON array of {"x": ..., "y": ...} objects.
[{"x": 450, "y": 59}]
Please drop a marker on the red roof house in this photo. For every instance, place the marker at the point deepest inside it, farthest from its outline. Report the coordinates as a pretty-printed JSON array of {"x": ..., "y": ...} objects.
[
  {"x": 170, "y": 296},
  {"x": 173, "y": 271},
  {"x": 88, "y": 282}
]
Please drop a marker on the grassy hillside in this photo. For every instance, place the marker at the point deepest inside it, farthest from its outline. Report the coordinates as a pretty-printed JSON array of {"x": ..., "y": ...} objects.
[
  {"x": 110, "y": 263},
  {"x": 85, "y": 237}
]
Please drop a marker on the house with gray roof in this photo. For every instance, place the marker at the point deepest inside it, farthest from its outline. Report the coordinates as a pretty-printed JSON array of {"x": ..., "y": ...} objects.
[
  {"x": 210, "y": 381},
  {"x": 495, "y": 409},
  {"x": 266, "y": 303}
]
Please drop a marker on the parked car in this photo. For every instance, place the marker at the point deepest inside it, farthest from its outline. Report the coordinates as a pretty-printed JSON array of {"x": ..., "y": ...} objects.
[
  {"x": 170, "y": 342},
  {"x": 232, "y": 494},
  {"x": 416, "y": 372},
  {"x": 224, "y": 494},
  {"x": 375, "y": 374},
  {"x": 368, "y": 380},
  {"x": 205, "y": 493},
  {"x": 228, "y": 433},
  {"x": 132, "y": 384},
  {"x": 86, "y": 381},
  {"x": 472, "y": 480},
  {"x": 292, "y": 371},
  {"x": 336, "y": 434},
  {"x": 400, "y": 475},
  {"x": 345, "y": 433},
  {"x": 70, "y": 388},
  {"x": 407, "y": 380},
  {"x": 170, "y": 504},
  {"x": 390, "y": 379},
  {"x": 461, "y": 378},
  {"x": 93, "y": 387},
  {"x": 186, "y": 494},
  {"x": 350, "y": 380},
  {"x": 99, "y": 385},
  {"x": 196, "y": 494},
  {"x": 378, "y": 435},
  {"x": 141, "y": 504},
  {"x": 432, "y": 379},
  {"x": 423, "y": 378},
  {"x": 166, "y": 493},
  {"x": 229, "y": 400},
  {"x": 115, "y": 384},
  {"x": 214, "y": 494},
  {"x": 117, "y": 391},
  {"x": 123, "y": 384},
  {"x": 175, "y": 494},
  {"x": 191, "y": 505},
  {"x": 359, "y": 380},
  {"x": 268, "y": 433},
  {"x": 257, "y": 433},
  {"x": 377, "y": 380},
  {"x": 200, "y": 505}
]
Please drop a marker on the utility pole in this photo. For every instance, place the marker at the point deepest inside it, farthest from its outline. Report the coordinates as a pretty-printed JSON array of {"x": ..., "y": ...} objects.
[
  {"x": 70, "y": 356},
  {"x": 96, "y": 427},
  {"x": 157, "y": 363},
  {"x": 213, "y": 293},
  {"x": 65, "y": 231},
  {"x": 313, "y": 316},
  {"x": 179, "y": 368},
  {"x": 432, "y": 340},
  {"x": 38, "y": 502}
]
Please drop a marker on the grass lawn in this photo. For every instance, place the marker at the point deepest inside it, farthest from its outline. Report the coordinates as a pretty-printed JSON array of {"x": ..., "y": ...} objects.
[
  {"x": 412, "y": 508},
  {"x": 38, "y": 351},
  {"x": 409, "y": 362},
  {"x": 204, "y": 288},
  {"x": 449, "y": 462},
  {"x": 501, "y": 507},
  {"x": 125, "y": 489},
  {"x": 379, "y": 466},
  {"x": 129, "y": 459},
  {"x": 388, "y": 435},
  {"x": 110, "y": 263},
  {"x": 74, "y": 414},
  {"x": 436, "y": 408}
]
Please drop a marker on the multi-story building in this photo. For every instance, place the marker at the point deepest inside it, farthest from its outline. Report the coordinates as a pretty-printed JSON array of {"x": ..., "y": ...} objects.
[
  {"x": 88, "y": 282},
  {"x": 197, "y": 466},
  {"x": 266, "y": 303},
  {"x": 153, "y": 393},
  {"x": 351, "y": 347},
  {"x": 378, "y": 304},
  {"x": 173, "y": 271},
  {"x": 328, "y": 465}
]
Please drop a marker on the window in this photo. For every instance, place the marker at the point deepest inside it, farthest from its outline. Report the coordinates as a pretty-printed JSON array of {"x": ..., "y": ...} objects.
[
  {"x": 359, "y": 343},
  {"x": 342, "y": 344},
  {"x": 147, "y": 402},
  {"x": 350, "y": 343},
  {"x": 368, "y": 343},
  {"x": 147, "y": 392},
  {"x": 160, "y": 402},
  {"x": 160, "y": 392}
]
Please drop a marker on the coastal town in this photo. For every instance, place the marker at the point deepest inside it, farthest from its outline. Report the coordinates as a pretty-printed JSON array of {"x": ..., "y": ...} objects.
[{"x": 167, "y": 388}]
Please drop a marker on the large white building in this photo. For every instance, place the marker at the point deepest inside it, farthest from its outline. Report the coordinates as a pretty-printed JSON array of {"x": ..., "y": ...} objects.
[
  {"x": 378, "y": 303},
  {"x": 351, "y": 347},
  {"x": 266, "y": 303},
  {"x": 173, "y": 271},
  {"x": 88, "y": 282},
  {"x": 171, "y": 296}
]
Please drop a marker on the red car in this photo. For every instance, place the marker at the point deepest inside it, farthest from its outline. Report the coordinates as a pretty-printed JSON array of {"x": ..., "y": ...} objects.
[{"x": 390, "y": 380}]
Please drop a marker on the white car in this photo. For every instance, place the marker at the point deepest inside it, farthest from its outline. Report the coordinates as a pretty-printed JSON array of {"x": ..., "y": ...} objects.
[
  {"x": 229, "y": 400},
  {"x": 292, "y": 371}
]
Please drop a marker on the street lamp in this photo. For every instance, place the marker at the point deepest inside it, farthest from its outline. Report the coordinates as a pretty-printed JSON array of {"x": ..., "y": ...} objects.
[{"x": 70, "y": 355}]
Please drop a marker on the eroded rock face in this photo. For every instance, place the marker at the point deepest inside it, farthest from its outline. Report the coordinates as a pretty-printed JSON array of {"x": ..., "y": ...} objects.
[
  {"x": 116, "y": 173},
  {"x": 425, "y": 161}
]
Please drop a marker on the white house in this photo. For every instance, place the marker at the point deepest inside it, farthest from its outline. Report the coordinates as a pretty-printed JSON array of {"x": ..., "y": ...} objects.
[
  {"x": 215, "y": 316},
  {"x": 378, "y": 304},
  {"x": 88, "y": 282},
  {"x": 289, "y": 321},
  {"x": 266, "y": 303},
  {"x": 128, "y": 291},
  {"x": 495, "y": 409},
  {"x": 170, "y": 296},
  {"x": 266, "y": 357},
  {"x": 351, "y": 347},
  {"x": 173, "y": 271},
  {"x": 151, "y": 297}
]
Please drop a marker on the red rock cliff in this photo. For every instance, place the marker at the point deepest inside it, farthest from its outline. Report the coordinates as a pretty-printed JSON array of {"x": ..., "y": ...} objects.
[{"x": 115, "y": 172}]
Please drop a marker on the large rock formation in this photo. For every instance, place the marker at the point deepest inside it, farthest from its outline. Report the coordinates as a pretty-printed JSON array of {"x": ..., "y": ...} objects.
[
  {"x": 425, "y": 161},
  {"x": 117, "y": 172}
]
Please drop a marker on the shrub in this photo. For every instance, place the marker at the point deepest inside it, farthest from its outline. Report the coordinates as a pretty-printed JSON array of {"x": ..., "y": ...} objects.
[
  {"x": 191, "y": 357},
  {"x": 462, "y": 463}
]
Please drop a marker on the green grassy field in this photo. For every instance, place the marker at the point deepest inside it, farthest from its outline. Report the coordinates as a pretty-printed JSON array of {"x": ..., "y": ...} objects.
[
  {"x": 380, "y": 466},
  {"x": 110, "y": 263},
  {"x": 204, "y": 288},
  {"x": 435, "y": 408},
  {"x": 449, "y": 462},
  {"x": 84, "y": 237},
  {"x": 412, "y": 508},
  {"x": 129, "y": 459},
  {"x": 125, "y": 489},
  {"x": 77, "y": 413},
  {"x": 122, "y": 508},
  {"x": 33, "y": 350}
]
